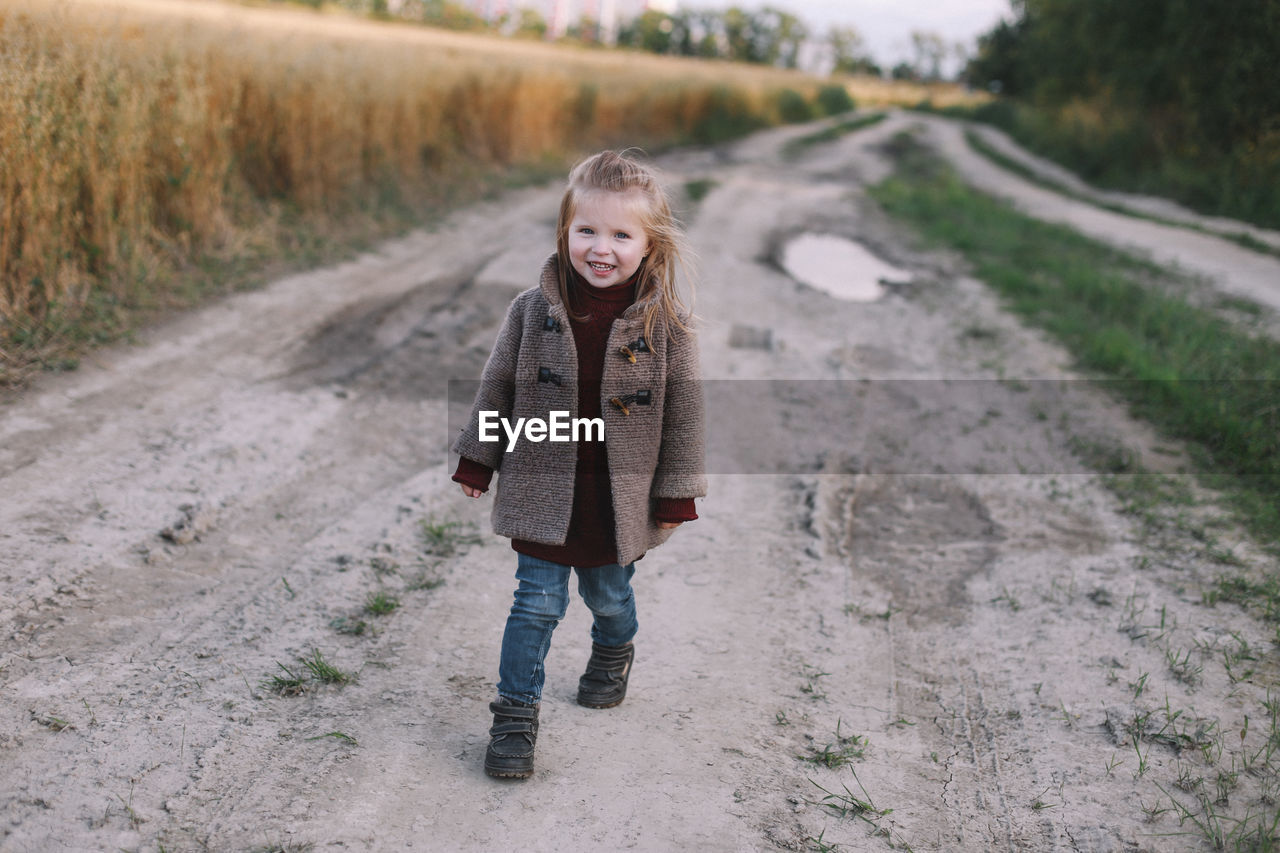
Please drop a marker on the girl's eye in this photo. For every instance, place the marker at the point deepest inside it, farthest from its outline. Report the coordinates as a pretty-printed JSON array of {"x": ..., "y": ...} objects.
[
  {"x": 623, "y": 235},
  {"x": 585, "y": 230}
]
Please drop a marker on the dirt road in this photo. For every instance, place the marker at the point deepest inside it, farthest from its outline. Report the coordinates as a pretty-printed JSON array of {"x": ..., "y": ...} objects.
[{"x": 978, "y": 659}]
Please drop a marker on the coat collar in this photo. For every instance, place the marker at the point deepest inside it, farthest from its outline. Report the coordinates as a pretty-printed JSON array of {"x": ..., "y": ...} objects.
[
  {"x": 549, "y": 286},
  {"x": 549, "y": 282}
]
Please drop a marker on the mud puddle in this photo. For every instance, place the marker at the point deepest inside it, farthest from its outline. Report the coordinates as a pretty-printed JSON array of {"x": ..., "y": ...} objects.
[{"x": 839, "y": 267}]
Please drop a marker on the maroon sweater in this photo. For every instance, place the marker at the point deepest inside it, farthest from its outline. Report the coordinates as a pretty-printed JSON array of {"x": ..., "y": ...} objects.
[{"x": 590, "y": 541}]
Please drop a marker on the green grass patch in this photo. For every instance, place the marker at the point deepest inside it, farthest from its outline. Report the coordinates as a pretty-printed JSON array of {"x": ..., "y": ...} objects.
[
  {"x": 446, "y": 538},
  {"x": 426, "y": 579},
  {"x": 349, "y": 625},
  {"x": 314, "y": 670},
  {"x": 324, "y": 672},
  {"x": 845, "y": 749},
  {"x": 1262, "y": 595},
  {"x": 292, "y": 683},
  {"x": 1195, "y": 376},
  {"x": 830, "y": 134},
  {"x": 699, "y": 189},
  {"x": 380, "y": 603},
  {"x": 1170, "y": 515}
]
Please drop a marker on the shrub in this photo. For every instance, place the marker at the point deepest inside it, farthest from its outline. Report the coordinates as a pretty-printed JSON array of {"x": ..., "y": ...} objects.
[
  {"x": 793, "y": 107},
  {"x": 726, "y": 115},
  {"x": 833, "y": 99}
]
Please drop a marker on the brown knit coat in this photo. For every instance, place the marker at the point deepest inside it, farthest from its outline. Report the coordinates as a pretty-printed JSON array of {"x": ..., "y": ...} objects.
[{"x": 655, "y": 451}]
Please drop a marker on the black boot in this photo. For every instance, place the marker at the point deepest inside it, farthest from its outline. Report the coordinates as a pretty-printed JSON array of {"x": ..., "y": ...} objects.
[
  {"x": 604, "y": 684},
  {"x": 511, "y": 740}
]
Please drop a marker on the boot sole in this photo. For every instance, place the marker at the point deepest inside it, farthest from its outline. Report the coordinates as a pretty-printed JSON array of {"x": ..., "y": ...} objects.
[
  {"x": 508, "y": 774},
  {"x": 601, "y": 707}
]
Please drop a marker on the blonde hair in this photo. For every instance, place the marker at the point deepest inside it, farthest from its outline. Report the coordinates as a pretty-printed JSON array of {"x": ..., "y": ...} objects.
[{"x": 617, "y": 171}]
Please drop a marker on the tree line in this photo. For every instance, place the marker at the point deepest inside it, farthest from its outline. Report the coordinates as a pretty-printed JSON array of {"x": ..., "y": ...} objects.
[
  {"x": 772, "y": 36},
  {"x": 766, "y": 35}
]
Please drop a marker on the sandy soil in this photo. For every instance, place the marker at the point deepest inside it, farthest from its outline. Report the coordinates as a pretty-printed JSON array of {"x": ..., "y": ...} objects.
[{"x": 999, "y": 656}]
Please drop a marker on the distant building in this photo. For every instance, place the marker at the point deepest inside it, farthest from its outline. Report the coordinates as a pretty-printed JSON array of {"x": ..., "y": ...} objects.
[{"x": 608, "y": 22}]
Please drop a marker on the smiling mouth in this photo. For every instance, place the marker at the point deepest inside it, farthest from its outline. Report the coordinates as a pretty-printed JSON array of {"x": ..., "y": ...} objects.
[{"x": 600, "y": 267}]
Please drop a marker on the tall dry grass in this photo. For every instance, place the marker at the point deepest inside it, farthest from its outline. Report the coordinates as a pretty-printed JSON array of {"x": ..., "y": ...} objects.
[{"x": 138, "y": 138}]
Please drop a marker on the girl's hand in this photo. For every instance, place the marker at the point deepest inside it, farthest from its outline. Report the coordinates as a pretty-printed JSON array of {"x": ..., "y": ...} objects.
[
  {"x": 669, "y": 525},
  {"x": 469, "y": 491}
]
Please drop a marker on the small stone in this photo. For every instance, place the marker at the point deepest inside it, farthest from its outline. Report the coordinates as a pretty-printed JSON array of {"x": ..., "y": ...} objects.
[
  {"x": 1101, "y": 597},
  {"x": 195, "y": 522}
]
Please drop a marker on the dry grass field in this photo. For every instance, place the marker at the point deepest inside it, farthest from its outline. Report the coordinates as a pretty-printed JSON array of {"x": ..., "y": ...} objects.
[{"x": 143, "y": 140}]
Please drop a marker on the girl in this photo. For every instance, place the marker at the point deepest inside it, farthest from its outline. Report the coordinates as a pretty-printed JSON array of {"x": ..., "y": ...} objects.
[{"x": 603, "y": 336}]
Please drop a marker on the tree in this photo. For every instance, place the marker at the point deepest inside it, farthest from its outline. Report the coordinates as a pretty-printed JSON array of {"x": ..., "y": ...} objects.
[
  {"x": 442, "y": 13},
  {"x": 849, "y": 53},
  {"x": 652, "y": 31},
  {"x": 998, "y": 65},
  {"x": 769, "y": 36},
  {"x": 928, "y": 50},
  {"x": 904, "y": 71},
  {"x": 781, "y": 36},
  {"x": 739, "y": 28},
  {"x": 1202, "y": 76},
  {"x": 529, "y": 23},
  {"x": 697, "y": 34},
  {"x": 586, "y": 30}
]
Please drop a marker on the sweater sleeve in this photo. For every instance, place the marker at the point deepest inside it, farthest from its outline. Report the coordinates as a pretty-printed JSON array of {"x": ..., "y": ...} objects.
[
  {"x": 473, "y": 474},
  {"x": 675, "y": 510},
  {"x": 496, "y": 392},
  {"x": 681, "y": 471}
]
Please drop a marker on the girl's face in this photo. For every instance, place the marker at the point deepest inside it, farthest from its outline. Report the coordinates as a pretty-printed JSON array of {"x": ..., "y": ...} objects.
[{"x": 606, "y": 241}]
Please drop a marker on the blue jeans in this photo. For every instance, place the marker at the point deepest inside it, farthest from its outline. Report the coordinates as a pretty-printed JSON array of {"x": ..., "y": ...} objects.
[{"x": 541, "y": 600}]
